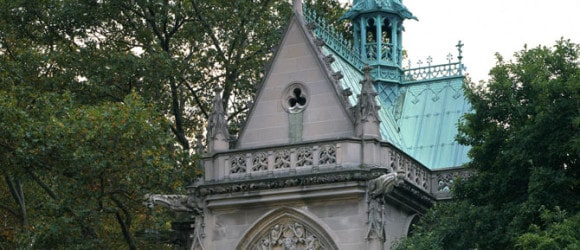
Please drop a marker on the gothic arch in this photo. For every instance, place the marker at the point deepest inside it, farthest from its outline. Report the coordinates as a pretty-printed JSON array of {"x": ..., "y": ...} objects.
[
  {"x": 286, "y": 228},
  {"x": 411, "y": 222}
]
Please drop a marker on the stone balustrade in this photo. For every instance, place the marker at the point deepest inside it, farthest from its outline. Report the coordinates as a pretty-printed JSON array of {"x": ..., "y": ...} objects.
[{"x": 330, "y": 157}]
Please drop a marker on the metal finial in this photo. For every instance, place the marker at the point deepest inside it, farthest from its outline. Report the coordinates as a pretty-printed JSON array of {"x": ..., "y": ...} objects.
[
  {"x": 460, "y": 50},
  {"x": 449, "y": 57}
]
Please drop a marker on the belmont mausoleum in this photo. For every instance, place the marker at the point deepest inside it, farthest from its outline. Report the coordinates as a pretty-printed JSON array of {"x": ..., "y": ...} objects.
[{"x": 345, "y": 147}]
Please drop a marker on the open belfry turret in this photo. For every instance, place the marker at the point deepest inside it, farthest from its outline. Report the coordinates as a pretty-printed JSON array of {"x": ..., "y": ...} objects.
[
  {"x": 343, "y": 148},
  {"x": 377, "y": 30}
]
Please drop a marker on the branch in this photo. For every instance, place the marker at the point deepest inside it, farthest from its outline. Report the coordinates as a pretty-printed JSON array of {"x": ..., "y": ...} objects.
[
  {"x": 43, "y": 185},
  {"x": 209, "y": 30},
  {"x": 9, "y": 210},
  {"x": 197, "y": 100},
  {"x": 125, "y": 225}
]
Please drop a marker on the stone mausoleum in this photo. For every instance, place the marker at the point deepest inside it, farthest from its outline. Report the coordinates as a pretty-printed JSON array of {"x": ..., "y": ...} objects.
[{"x": 344, "y": 147}]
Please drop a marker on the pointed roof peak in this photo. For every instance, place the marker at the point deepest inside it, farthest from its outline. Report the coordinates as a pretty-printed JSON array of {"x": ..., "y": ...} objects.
[
  {"x": 297, "y": 7},
  {"x": 390, "y": 6}
]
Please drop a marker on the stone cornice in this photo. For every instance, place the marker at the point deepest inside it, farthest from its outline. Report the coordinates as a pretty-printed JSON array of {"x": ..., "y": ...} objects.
[{"x": 289, "y": 180}]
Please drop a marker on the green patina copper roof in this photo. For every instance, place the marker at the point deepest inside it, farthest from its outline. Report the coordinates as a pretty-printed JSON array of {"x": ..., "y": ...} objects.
[
  {"x": 366, "y": 6},
  {"x": 422, "y": 121},
  {"x": 420, "y": 112},
  {"x": 351, "y": 80}
]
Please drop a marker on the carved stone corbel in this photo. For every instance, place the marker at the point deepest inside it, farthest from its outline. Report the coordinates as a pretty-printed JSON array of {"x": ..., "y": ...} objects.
[
  {"x": 193, "y": 205},
  {"x": 376, "y": 190}
]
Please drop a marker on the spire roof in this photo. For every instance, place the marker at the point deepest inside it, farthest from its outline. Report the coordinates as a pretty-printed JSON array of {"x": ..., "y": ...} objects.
[{"x": 390, "y": 6}]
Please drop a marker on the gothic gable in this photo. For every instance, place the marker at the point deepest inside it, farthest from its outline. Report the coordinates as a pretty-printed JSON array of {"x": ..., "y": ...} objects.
[{"x": 299, "y": 99}]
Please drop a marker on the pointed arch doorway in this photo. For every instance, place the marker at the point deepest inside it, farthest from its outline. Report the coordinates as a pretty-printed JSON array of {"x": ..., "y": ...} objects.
[{"x": 285, "y": 229}]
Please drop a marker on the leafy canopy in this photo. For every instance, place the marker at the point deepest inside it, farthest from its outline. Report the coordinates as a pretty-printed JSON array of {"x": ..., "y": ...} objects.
[
  {"x": 100, "y": 100},
  {"x": 524, "y": 135}
]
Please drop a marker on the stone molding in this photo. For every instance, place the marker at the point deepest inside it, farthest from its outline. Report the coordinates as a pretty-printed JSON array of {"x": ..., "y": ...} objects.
[{"x": 258, "y": 184}]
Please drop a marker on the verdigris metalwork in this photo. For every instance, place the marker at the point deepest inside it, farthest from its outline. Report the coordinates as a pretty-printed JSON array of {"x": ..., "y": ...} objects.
[
  {"x": 390, "y": 6},
  {"x": 420, "y": 105}
]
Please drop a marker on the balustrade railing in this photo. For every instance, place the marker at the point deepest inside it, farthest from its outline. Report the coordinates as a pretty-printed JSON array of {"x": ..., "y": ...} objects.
[
  {"x": 333, "y": 39},
  {"x": 434, "y": 71},
  {"x": 337, "y": 43},
  {"x": 280, "y": 159},
  {"x": 318, "y": 158}
]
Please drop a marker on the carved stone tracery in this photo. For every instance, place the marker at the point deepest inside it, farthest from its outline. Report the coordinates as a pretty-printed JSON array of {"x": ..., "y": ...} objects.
[
  {"x": 238, "y": 164},
  {"x": 304, "y": 157},
  {"x": 289, "y": 235},
  {"x": 260, "y": 162},
  {"x": 287, "y": 229},
  {"x": 282, "y": 159},
  {"x": 327, "y": 155}
]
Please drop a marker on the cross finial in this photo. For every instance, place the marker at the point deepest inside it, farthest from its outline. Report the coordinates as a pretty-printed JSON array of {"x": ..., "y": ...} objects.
[
  {"x": 460, "y": 50},
  {"x": 449, "y": 57}
]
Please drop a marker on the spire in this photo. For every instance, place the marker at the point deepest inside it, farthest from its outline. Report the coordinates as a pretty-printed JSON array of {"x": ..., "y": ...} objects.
[
  {"x": 297, "y": 6},
  {"x": 366, "y": 110},
  {"x": 218, "y": 136}
]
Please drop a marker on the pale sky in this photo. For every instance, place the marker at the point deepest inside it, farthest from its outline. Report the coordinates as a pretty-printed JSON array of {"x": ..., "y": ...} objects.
[{"x": 486, "y": 27}]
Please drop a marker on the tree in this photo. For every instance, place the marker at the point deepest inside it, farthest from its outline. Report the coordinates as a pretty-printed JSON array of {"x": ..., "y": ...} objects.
[
  {"x": 173, "y": 53},
  {"x": 78, "y": 173},
  {"x": 525, "y": 148},
  {"x": 100, "y": 101}
]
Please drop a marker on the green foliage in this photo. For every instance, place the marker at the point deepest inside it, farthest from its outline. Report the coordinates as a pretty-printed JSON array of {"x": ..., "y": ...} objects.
[
  {"x": 172, "y": 53},
  {"x": 99, "y": 102},
  {"x": 83, "y": 167},
  {"x": 558, "y": 231},
  {"x": 525, "y": 143}
]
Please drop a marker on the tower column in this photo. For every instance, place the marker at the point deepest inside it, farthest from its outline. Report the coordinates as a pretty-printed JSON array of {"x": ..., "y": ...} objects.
[
  {"x": 379, "y": 38},
  {"x": 363, "y": 38},
  {"x": 394, "y": 37}
]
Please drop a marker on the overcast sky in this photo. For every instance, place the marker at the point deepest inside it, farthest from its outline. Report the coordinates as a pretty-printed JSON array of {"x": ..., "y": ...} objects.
[{"x": 486, "y": 27}]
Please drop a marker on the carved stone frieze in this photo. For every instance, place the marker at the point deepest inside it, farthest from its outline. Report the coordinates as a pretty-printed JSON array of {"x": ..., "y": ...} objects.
[
  {"x": 289, "y": 235},
  {"x": 289, "y": 181}
]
